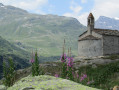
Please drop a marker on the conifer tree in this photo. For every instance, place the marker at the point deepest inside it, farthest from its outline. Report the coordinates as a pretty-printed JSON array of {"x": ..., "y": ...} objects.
[
  {"x": 36, "y": 63},
  {"x": 11, "y": 70},
  {"x": 8, "y": 73}
]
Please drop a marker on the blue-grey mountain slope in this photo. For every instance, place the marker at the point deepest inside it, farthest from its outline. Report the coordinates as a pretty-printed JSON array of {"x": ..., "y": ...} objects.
[{"x": 107, "y": 23}]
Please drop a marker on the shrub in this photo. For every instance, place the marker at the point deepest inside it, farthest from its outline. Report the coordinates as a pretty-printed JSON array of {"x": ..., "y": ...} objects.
[
  {"x": 8, "y": 73},
  {"x": 36, "y": 65},
  {"x": 102, "y": 76}
]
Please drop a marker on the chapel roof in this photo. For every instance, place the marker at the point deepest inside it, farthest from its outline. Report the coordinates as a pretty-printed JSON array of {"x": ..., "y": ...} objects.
[
  {"x": 89, "y": 37},
  {"x": 107, "y": 32},
  {"x": 101, "y": 31},
  {"x": 91, "y": 16},
  {"x": 104, "y": 32}
]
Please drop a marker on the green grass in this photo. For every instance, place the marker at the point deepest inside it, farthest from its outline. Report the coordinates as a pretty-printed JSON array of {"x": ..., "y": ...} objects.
[{"x": 105, "y": 76}]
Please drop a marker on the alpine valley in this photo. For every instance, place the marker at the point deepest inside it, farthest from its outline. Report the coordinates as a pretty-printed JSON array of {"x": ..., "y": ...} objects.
[
  {"x": 45, "y": 33},
  {"x": 21, "y": 32}
]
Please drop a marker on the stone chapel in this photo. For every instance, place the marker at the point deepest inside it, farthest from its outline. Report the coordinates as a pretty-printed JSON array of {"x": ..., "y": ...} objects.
[{"x": 97, "y": 42}]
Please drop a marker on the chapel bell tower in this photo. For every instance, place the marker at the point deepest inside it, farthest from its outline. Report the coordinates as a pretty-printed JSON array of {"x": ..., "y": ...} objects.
[{"x": 90, "y": 23}]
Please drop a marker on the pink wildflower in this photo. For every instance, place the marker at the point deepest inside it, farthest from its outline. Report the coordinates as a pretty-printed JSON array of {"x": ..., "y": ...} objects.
[
  {"x": 81, "y": 79},
  {"x": 77, "y": 75},
  {"x": 56, "y": 75},
  {"x": 63, "y": 58},
  {"x": 88, "y": 82},
  {"x": 84, "y": 75},
  {"x": 32, "y": 61},
  {"x": 70, "y": 62}
]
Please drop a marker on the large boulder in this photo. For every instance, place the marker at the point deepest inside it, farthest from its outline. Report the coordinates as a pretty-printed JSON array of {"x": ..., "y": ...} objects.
[
  {"x": 2, "y": 87},
  {"x": 45, "y": 82}
]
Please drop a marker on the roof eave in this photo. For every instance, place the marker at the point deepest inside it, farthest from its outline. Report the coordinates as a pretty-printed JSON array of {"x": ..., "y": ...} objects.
[{"x": 82, "y": 33}]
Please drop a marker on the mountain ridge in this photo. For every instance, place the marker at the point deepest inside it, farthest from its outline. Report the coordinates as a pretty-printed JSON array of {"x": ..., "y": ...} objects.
[
  {"x": 44, "y": 32},
  {"x": 104, "y": 22}
]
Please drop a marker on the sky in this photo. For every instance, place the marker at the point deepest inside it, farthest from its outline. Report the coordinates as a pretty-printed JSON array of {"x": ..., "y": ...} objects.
[{"x": 78, "y": 9}]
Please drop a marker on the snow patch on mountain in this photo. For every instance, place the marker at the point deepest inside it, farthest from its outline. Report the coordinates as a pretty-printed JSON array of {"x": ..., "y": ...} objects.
[{"x": 116, "y": 18}]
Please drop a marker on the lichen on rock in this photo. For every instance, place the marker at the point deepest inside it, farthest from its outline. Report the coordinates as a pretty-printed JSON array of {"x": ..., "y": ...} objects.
[{"x": 45, "y": 82}]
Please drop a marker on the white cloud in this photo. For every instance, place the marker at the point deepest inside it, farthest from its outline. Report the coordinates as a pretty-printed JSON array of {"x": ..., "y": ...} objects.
[
  {"x": 107, "y": 8},
  {"x": 76, "y": 13},
  {"x": 30, "y": 5},
  {"x": 83, "y": 1},
  {"x": 83, "y": 18},
  {"x": 76, "y": 9},
  {"x": 116, "y": 18}
]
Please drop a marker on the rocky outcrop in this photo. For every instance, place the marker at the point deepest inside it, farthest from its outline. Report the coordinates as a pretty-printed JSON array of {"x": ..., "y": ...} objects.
[
  {"x": 45, "y": 82},
  {"x": 80, "y": 62},
  {"x": 2, "y": 87}
]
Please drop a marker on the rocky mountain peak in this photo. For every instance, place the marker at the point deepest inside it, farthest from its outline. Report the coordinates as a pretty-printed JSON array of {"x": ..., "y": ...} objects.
[
  {"x": 1, "y": 4},
  {"x": 107, "y": 23}
]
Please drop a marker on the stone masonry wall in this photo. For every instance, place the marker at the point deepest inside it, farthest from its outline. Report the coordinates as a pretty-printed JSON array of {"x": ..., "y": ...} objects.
[
  {"x": 111, "y": 45},
  {"x": 90, "y": 48}
]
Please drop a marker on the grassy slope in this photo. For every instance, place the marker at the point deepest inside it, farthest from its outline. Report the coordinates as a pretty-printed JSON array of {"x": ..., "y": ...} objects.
[
  {"x": 44, "y": 32},
  {"x": 104, "y": 76},
  {"x": 9, "y": 49}
]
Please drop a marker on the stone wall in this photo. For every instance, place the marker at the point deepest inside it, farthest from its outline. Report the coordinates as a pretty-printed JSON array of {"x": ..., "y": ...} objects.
[
  {"x": 90, "y": 48},
  {"x": 111, "y": 45}
]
